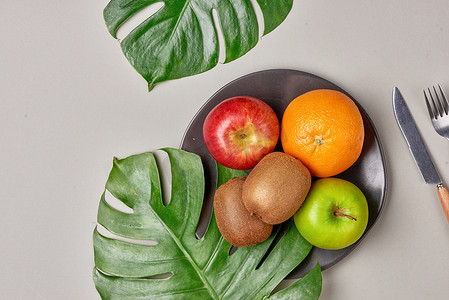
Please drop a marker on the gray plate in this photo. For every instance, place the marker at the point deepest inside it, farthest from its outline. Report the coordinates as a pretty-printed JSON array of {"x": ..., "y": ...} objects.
[{"x": 278, "y": 88}]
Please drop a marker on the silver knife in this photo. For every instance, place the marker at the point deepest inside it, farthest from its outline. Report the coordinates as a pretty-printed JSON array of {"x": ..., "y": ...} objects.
[{"x": 418, "y": 149}]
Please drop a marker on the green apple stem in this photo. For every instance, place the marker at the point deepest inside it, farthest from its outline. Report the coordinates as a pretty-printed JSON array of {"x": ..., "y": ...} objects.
[{"x": 339, "y": 213}]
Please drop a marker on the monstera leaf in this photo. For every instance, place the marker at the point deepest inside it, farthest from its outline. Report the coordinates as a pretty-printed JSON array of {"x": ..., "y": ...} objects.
[
  {"x": 188, "y": 267},
  {"x": 180, "y": 39}
]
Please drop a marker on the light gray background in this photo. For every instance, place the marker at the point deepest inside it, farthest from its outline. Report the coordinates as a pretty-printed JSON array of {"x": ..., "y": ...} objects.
[{"x": 70, "y": 102}]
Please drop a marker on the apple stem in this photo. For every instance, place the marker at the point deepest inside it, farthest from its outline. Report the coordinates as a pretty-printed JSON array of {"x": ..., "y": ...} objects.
[
  {"x": 340, "y": 214},
  {"x": 243, "y": 136}
]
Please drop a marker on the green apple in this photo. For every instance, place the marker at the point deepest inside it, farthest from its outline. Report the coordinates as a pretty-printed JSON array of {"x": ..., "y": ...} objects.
[{"x": 334, "y": 214}]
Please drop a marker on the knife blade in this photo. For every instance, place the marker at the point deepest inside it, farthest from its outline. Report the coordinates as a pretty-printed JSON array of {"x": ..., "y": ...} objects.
[
  {"x": 418, "y": 149},
  {"x": 414, "y": 139}
]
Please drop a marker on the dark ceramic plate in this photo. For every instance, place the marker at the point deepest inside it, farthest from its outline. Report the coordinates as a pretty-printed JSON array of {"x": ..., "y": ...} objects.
[{"x": 278, "y": 88}]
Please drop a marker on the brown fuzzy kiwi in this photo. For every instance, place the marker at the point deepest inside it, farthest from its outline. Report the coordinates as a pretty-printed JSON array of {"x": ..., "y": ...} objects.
[
  {"x": 276, "y": 187},
  {"x": 235, "y": 223}
]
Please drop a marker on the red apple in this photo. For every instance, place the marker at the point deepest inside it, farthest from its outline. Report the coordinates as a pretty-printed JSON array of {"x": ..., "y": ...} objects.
[{"x": 240, "y": 131}]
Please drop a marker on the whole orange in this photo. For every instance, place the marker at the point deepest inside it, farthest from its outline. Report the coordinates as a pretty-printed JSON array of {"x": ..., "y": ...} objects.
[{"x": 324, "y": 129}]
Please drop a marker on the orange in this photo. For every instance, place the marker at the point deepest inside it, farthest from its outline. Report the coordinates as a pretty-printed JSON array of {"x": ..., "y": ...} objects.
[{"x": 324, "y": 130}]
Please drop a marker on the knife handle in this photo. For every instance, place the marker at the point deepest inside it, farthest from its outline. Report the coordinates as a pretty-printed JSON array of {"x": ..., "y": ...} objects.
[{"x": 443, "y": 193}]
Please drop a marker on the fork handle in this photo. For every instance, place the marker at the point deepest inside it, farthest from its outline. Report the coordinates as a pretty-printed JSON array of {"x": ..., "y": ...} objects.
[{"x": 443, "y": 194}]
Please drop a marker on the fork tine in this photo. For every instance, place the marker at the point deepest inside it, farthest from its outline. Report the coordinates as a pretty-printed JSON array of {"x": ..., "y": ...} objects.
[
  {"x": 438, "y": 107},
  {"x": 429, "y": 108},
  {"x": 445, "y": 102},
  {"x": 438, "y": 101},
  {"x": 435, "y": 107}
]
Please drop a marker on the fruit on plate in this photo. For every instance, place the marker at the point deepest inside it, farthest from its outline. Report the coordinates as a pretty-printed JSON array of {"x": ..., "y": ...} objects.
[
  {"x": 324, "y": 129},
  {"x": 239, "y": 131},
  {"x": 276, "y": 187},
  {"x": 235, "y": 223},
  {"x": 334, "y": 214}
]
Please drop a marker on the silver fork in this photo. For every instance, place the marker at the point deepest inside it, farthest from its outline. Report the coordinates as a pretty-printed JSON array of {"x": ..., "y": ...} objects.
[{"x": 438, "y": 108}]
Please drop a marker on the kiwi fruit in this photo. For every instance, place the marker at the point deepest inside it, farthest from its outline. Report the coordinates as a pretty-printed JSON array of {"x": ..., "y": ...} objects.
[
  {"x": 276, "y": 187},
  {"x": 235, "y": 223}
]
